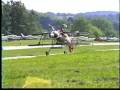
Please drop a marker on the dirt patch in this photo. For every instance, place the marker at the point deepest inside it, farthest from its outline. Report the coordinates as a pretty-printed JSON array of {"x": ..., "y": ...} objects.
[
  {"x": 76, "y": 81},
  {"x": 107, "y": 79}
]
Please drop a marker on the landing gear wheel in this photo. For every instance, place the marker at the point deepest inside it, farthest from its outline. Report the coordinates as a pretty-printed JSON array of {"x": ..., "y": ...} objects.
[
  {"x": 65, "y": 52},
  {"x": 47, "y": 53}
]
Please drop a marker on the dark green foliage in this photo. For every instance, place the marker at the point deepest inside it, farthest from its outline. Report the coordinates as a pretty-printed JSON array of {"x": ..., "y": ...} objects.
[
  {"x": 80, "y": 24},
  {"x": 105, "y": 25},
  {"x": 83, "y": 25},
  {"x": 17, "y": 19},
  {"x": 95, "y": 32},
  {"x": 5, "y": 18}
]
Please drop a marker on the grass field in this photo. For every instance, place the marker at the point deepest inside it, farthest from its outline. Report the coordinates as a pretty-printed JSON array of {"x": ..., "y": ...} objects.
[{"x": 85, "y": 68}]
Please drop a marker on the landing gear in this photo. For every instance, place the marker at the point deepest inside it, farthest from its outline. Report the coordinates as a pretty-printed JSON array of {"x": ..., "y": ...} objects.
[
  {"x": 65, "y": 52},
  {"x": 47, "y": 53}
]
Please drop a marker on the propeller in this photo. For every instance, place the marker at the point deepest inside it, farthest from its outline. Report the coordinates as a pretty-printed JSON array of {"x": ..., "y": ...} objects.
[{"x": 51, "y": 27}]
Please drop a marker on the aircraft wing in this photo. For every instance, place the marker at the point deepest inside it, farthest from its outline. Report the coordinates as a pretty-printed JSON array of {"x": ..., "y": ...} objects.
[{"x": 44, "y": 33}]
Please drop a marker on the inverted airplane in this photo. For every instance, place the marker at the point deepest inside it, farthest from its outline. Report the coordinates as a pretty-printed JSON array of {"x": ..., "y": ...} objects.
[{"x": 60, "y": 36}]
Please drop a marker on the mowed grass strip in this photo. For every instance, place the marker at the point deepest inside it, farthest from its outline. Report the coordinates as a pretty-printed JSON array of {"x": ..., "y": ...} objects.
[
  {"x": 41, "y": 51},
  {"x": 88, "y": 69},
  {"x": 29, "y": 52}
]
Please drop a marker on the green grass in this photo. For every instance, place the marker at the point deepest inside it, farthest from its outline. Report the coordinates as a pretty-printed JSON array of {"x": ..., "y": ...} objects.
[
  {"x": 41, "y": 51},
  {"x": 29, "y": 52},
  {"x": 86, "y": 68}
]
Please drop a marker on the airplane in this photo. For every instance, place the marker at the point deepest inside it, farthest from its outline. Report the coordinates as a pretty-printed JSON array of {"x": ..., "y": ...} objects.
[
  {"x": 63, "y": 37},
  {"x": 60, "y": 36},
  {"x": 12, "y": 37},
  {"x": 28, "y": 37}
]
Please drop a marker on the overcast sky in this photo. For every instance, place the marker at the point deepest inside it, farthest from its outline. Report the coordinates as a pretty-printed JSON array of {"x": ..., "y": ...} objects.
[{"x": 70, "y": 6}]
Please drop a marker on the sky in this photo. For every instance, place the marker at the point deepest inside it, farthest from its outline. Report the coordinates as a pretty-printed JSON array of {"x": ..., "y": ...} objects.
[{"x": 70, "y": 6}]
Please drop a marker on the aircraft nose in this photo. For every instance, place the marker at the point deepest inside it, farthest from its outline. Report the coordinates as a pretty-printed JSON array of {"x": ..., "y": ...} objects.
[{"x": 51, "y": 35}]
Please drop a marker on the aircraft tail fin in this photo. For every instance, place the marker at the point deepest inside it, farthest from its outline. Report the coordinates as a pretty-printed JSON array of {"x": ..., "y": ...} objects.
[
  {"x": 51, "y": 27},
  {"x": 22, "y": 34}
]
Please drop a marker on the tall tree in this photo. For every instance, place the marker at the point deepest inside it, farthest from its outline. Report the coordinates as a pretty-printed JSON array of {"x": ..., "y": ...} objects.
[
  {"x": 17, "y": 15},
  {"x": 80, "y": 24},
  {"x": 83, "y": 25},
  {"x": 33, "y": 25},
  {"x": 6, "y": 19},
  {"x": 17, "y": 19},
  {"x": 95, "y": 32}
]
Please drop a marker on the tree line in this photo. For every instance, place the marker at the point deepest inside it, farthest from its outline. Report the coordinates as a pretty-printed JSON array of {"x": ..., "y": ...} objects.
[{"x": 17, "y": 19}]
